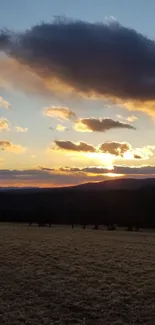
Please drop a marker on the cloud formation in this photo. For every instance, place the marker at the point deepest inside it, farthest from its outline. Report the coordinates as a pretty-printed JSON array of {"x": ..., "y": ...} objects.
[
  {"x": 115, "y": 148},
  {"x": 94, "y": 59},
  {"x": 99, "y": 125},
  {"x": 4, "y": 103},
  {"x": 72, "y": 146},
  {"x": 20, "y": 129},
  {"x": 120, "y": 170},
  {"x": 4, "y": 124},
  {"x": 63, "y": 113},
  {"x": 10, "y": 147}
]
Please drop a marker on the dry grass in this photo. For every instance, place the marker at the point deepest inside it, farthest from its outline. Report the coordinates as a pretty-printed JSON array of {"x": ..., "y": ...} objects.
[{"x": 75, "y": 276}]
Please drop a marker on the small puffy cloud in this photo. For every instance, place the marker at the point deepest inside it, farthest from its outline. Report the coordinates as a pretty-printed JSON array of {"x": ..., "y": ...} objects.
[
  {"x": 62, "y": 113},
  {"x": 4, "y": 103},
  {"x": 100, "y": 125},
  {"x": 115, "y": 148},
  {"x": 20, "y": 129},
  {"x": 110, "y": 18},
  {"x": 10, "y": 147},
  {"x": 61, "y": 128},
  {"x": 137, "y": 156},
  {"x": 72, "y": 146},
  {"x": 4, "y": 124}
]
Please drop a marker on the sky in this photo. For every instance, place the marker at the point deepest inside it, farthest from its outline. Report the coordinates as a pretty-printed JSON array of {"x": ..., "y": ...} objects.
[{"x": 77, "y": 91}]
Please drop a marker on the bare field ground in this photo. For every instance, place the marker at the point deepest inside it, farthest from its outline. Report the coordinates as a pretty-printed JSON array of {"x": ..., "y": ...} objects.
[{"x": 73, "y": 276}]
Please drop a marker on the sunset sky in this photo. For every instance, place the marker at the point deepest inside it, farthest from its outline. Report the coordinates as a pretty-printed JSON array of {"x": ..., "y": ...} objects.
[{"x": 77, "y": 91}]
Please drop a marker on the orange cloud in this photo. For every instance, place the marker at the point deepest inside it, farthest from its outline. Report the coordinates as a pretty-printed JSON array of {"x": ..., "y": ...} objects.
[
  {"x": 10, "y": 147},
  {"x": 4, "y": 124},
  {"x": 63, "y": 113}
]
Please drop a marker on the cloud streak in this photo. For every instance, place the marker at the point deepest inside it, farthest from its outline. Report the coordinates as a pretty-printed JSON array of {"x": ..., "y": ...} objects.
[
  {"x": 100, "y": 125},
  {"x": 19, "y": 129},
  {"x": 94, "y": 59}
]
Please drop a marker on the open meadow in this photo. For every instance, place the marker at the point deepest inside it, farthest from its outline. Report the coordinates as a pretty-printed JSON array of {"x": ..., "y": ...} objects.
[{"x": 60, "y": 275}]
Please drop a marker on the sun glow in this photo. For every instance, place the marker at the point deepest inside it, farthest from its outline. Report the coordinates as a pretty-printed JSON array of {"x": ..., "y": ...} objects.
[
  {"x": 106, "y": 160},
  {"x": 114, "y": 175},
  {"x": 128, "y": 155}
]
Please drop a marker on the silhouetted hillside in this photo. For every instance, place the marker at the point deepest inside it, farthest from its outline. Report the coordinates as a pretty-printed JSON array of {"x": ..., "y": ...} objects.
[
  {"x": 125, "y": 202},
  {"x": 121, "y": 183}
]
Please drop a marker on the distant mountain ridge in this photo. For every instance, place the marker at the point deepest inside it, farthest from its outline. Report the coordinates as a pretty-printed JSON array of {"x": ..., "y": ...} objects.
[
  {"x": 113, "y": 184},
  {"x": 121, "y": 183}
]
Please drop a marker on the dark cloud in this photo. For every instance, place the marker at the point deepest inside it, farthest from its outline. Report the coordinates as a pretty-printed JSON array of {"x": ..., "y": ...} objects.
[
  {"x": 5, "y": 39},
  {"x": 137, "y": 157},
  {"x": 115, "y": 148},
  {"x": 91, "y": 170},
  {"x": 71, "y": 146},
  {"x": 118, "y": 149},
  {"x": 141, "y": 170},
  {"x": 100, "y": 125},
  {"x": 109, "y": 60}
]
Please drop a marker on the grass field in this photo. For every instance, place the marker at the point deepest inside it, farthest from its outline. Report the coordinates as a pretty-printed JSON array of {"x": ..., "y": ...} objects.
[{"x": 74, "y": 276}]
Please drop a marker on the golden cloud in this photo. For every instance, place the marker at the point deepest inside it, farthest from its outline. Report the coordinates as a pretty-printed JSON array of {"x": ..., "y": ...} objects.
[
  {"x": 63, "y": 113},
  {"x": 4, "y": 124},
  {"x": 8, "y": 146}
]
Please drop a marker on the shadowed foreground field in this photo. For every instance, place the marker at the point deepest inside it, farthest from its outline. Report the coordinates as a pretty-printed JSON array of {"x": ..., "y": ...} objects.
[{"x": 74, "y": 276}]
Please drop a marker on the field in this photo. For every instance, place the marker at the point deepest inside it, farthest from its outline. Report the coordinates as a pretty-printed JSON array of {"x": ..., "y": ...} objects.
[{"x": 73, "y": 276}]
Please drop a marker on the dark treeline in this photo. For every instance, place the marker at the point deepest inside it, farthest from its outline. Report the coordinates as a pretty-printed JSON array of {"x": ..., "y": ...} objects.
[{"x": 124, "y": 208}]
